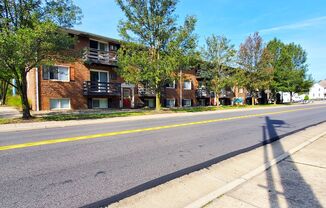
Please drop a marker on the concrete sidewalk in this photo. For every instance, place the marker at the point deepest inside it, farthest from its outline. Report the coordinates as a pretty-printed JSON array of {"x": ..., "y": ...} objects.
[
  {"x": 9, "y": 112},
  {"x": 289, "y": 172},
  {"x": 297, "y": 181}
]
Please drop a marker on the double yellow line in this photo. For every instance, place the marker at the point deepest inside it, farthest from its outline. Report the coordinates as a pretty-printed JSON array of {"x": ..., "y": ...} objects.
[{"x": 110, "y": 134}]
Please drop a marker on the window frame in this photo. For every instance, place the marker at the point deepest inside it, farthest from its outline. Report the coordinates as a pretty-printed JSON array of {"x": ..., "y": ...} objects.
[
  {"x": 56, "y": 80},
  {"x": 99, "y": 99},
  {"x": 170, "y": 99},
  {"x": 59, "y": 99},
  {"x": 184, "y": 82},
  {"x": 173, "y": 83},
  {"x": 185, "y": 102}
]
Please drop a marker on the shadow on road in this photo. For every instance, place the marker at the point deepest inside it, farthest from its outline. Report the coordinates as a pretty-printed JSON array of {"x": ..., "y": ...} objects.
[
  {"x": 270, "y": 135},
  {"x": 294, "y": 190}
]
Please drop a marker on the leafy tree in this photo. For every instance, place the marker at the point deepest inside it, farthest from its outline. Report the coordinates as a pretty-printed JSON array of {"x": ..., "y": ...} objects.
[
  {"x": 31, "y": 36},
  {"x": 219, "y": 56},
  {"x": 255, "y": 61},
  {"x": 155, "y": 48},
  {"x": 290, "y": 68}
]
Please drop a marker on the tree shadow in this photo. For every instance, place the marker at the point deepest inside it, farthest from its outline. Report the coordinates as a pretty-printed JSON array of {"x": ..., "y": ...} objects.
[{"x": 295, "y": 191}]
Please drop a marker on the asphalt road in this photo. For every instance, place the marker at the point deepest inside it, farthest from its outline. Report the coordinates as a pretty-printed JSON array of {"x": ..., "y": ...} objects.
[{"x": 101, "y": 170}]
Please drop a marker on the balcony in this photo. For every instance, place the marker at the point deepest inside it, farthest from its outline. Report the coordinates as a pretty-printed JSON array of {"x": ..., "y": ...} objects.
[
  {"x": 102, "y": 89},
  {"x": 93, "y": 55},
  {"x": 202, "y": 93},
  {"x": 146, "y": 92}
]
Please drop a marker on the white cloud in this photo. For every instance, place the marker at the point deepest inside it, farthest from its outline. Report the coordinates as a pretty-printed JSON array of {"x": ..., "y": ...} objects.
[{"x": 294, "y": 26}]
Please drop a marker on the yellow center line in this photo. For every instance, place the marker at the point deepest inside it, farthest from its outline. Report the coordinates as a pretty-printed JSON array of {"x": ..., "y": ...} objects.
[{"x": 109, "y": 134}]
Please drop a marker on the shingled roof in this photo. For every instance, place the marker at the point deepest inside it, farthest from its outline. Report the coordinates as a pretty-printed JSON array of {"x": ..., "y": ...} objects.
[{"x": 322, "y": 83}]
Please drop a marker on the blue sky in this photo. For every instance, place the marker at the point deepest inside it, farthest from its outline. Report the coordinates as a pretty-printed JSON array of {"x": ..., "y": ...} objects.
[{"x": 299, "y": 21}]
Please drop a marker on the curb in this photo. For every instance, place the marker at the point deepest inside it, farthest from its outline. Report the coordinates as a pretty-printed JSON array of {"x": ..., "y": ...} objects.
[{"x": 201, "y": 202}]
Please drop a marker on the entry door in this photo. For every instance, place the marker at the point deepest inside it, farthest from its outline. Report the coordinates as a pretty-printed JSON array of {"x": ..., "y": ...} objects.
[
  {"x": 99, "y": 81},
  {"x": 126, "y": 97}
]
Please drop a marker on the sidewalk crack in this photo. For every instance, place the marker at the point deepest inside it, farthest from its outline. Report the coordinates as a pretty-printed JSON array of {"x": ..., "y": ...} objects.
[{"x": 301, "y": 163}]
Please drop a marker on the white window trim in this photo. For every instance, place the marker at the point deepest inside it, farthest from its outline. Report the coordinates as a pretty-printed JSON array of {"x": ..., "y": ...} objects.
[
  {"x": 98, "y": 70},
  {"x": 173, "y": 85},
  {"x": 99, "y": 103},
  {"x": 190, "y": 102},
  {"x": 184, "y": 85},
  {"x": 100, "y": 41},
  {"x": 60, "y": 103},
  {"x": 58, "y": 80},
  {"x": 173, "y": 102}
]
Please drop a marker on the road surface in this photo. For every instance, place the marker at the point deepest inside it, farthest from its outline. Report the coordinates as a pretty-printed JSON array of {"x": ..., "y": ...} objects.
[{"x": 94, "y": 165}]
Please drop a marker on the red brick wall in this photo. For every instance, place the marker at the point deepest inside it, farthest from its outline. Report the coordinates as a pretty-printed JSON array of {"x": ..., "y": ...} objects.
[{"x": 174, "y": 93}]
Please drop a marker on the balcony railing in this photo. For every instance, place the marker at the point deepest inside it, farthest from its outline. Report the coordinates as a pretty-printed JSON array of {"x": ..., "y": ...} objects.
[
  {"x": 102, "y": 88},
  {"x": 146, "y": 92},
  {"x": 100, "y": 57},
  {"x": 202, "y": 93}
]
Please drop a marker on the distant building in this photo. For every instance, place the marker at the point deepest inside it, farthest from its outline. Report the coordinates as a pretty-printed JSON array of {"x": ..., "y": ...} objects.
[{"x": 317, "y": 91}]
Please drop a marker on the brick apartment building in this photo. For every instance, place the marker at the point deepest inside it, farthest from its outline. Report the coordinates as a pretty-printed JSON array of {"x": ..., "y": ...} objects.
[{"x": 93, "y": 82}]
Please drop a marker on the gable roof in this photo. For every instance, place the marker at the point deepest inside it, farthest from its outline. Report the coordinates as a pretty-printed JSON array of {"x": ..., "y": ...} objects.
[
  {"x": 322, "y": 83},
  {"x": 91, "y": 35}
]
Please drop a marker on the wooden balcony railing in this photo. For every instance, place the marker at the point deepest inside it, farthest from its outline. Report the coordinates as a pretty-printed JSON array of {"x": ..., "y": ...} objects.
[
  {"x": 102, "y": 88},
  {"x": 100, "y": 57},
  {"x": 202, "y": 93},
  {"x": 142, "y": 91}
]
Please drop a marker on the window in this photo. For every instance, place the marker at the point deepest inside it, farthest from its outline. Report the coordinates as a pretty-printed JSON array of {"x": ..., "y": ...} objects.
[
  {"x": 150, "y": 103},
  {"x": 102, "y": 46},
  {"x": 100, "y": 103},
  {"x": 187, "y": 85},
  {"x": 201, "y": 85},
  {"x": 59, "y": 73},
  {"x": 241, "y": 90},
  {"x": 170, "y": 103},
  {"x": 57, "y": 104},
  {"x": 187, "y": 102},
  {"x": 170, "y": 84},
  {"x": 113, "y": 47}
]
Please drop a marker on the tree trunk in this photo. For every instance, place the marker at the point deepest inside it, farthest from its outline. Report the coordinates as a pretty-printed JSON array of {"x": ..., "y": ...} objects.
[
  {"x": 4, "y": 89},
  {"x": 217, "y": 100},
  {"x": 24, "y": 98},
  {"x": 158, "y": 101},
  {"x": 252, "y": 100}
]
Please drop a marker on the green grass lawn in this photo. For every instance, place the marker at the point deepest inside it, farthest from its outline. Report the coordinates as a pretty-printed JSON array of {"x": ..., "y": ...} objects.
[
  {"x": 14, "y": 101},
  {"x": 85, "y": 116}
]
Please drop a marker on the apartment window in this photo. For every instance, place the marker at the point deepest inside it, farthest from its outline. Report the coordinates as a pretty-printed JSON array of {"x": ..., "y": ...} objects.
[
  {"x": 187, "y": 85},
  {"x": 100, "y": 103},
  {"x": 58, "y": 73},
  {"x": 102, "y": 46},
  {"x": 150, "y": 103},
  {"x": 170, "y": 84},
  {"x": 201, "y": 85},
  {"x": 113, "y": 47},
  {"x": 187, "y": 102},
  {"x": 59, "y": 104},
  {"x": 170, "y": 103}
]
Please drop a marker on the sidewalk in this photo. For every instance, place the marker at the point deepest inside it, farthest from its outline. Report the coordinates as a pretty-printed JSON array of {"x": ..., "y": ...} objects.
[
  {"x": 289, "y": 172},
  {"x": 9, "y": 112},
  {"x": 297, "y": 181}
]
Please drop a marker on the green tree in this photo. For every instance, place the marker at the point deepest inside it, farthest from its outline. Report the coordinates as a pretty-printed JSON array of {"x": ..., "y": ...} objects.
[
  {"x": 219, "y": 58},
  {"x": 31, "y": 35},
  {"x": 155, "y": 48},
  {"x": 290, "y": 68},
  {"x": 255, "y": 61}
]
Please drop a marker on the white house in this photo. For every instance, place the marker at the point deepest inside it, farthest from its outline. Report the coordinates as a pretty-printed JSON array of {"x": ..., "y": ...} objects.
[{"x": 317, "y": 92}]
